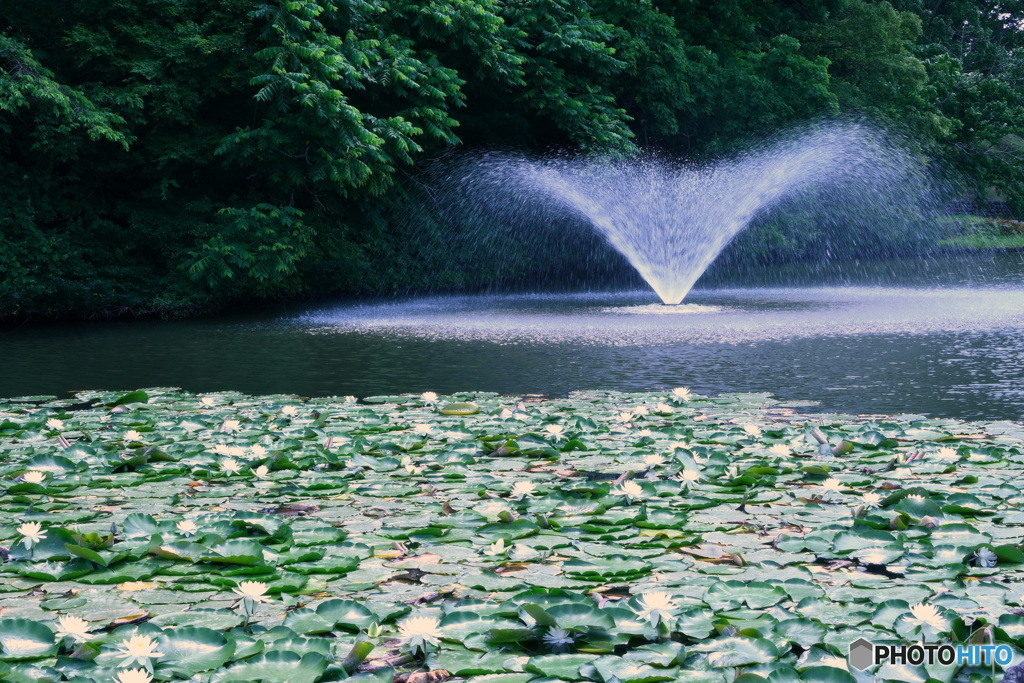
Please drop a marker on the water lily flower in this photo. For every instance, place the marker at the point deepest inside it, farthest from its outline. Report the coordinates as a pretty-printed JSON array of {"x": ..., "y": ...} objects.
[
  {"x": 752, "y": 430},
  {"x": 522, "y": 488},
  {"x": 258, "y": 450},
  {"x": 32, "y": 533},
  {"x": 656, "y": 606},
  {"x": 422, "y": 428},
  {"x": 230, "y": 465},
  {"x": 926, "y": 615},
  {"x": 138, "y": 649},
  {"x": 916, "y": 497},
  {"x": 663, "y": 408},
  {"x": 208, "y": 400},
  {"x": 289, "y": 410},
  {"x": 871, "y": 499},
  {"x": 654, "y": 459},
  {"x": 624, "y": 416},
  {"x": 33, "y": 477},
  {"x": 644, "y": 432},
  {"x": 832, "y": 485},
  {"x": 413, "y": 469},
  {"x": 682, "y": 392},
  {"x": 73, "y": 627},
  {"x": 554, "y": 430},
  {"x": 133, "y": 676},
  {"x": 187, "y": 527},
  {"x": 231, "y": 426},
  {"x": 252, "y": 590},
  {"x": 641, "y": 410},
  {"x": 558, "y": 639},
  {"x": 418, "y": 632},
  {"x": 780, "y": 449},
  {"x": 947, "y": 453},
  {"x": 350, "y": 399},
  {"x": 984, "y": 557},
  {"x": 497, "y": 548},
  {"x": 690, "y": 477},
  {"x": 428, "y": 397},
  {"x": 132, "y": 435},
  {"x": 54, "y": 423},
  {"x": 629, "y": 489},
  {"x": 261, "y": 472},
  {"x": 678, "y": 445}
]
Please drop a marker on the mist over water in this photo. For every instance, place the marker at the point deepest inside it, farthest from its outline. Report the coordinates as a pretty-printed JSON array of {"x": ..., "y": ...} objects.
[{"x": 670, "y": 220}]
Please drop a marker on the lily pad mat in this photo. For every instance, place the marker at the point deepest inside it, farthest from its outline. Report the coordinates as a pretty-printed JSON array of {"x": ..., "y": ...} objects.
[{"x": 605, "y": 537}]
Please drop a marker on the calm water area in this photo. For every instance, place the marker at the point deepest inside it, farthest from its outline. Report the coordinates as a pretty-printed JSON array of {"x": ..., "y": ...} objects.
[{"x": 939, "y": 338}]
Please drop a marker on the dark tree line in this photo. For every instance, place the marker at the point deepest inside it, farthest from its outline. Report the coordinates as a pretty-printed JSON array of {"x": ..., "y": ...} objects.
[{"x": 171, "y": 155}]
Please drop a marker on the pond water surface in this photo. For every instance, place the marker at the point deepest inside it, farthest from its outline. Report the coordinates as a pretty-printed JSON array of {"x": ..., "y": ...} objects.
[{"x": 953, "y": 351}]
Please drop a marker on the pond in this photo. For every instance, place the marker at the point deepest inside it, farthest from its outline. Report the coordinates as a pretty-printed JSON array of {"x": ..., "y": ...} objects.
[{"x": 953, "y": 351}]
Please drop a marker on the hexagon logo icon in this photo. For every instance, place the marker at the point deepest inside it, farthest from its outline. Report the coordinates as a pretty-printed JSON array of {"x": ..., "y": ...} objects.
[{"x": 862, "y": 654}]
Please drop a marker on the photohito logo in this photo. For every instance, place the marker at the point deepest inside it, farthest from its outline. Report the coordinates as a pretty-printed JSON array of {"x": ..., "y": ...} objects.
[{"x": 864, "y": 654}]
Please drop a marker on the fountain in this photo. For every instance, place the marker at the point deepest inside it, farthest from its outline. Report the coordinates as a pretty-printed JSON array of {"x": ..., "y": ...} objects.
[{"x": 671, "y": 220}]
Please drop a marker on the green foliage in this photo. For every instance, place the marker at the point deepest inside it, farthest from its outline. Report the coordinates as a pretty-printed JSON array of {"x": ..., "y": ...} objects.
[{"x": 170, "y": 155}]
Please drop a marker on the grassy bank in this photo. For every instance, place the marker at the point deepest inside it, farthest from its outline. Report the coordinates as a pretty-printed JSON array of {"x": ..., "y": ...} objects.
[{"x": 609, "y": 537}]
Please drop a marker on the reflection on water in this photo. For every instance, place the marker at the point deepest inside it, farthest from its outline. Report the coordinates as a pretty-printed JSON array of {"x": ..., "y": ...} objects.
[{"x": 955, "y": 352}]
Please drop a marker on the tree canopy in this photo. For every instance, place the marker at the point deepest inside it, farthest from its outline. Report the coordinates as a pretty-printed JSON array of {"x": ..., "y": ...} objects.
[{"x": 166, "y": 156}]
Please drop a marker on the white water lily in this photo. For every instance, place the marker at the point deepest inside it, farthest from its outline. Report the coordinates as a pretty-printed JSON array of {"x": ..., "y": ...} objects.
[
  {"x": 422, "y": 428},
  {"x": 871, "y": 499},
  {"x": 497, "y": 548},
  {"x": 641, "y": 410},
  {"x": 653, "y": 460},
  {"x": 624, "y": 416},
  {"x": 558, "y": 639},
  {"x": 662, "y": 408},
  {"x": 522, "y": 488},
  {"x": 34, "y": 477},
  {"x": 261, "y": 472},
  {"x": 350, "y": 399},
  {"x": 133, "y": 676},
  {"x": 132, "y": 435},
  {"x": 917, "y": 498},
  {"x": 231, "y": 426},
  {"x": 691, "y": 477},
  {"x": 656, "y": 607},
  {"x": 54, "y": 423},
  {"x": 752, "y": 430},
  {"x": 629, "y": 489},
  {"x": 926, "y": 615},
  {"x": 554, "y": 430},
  {"x": 428, "y": 397},
  {"x": 187, "y": 527},
  {"x": 832, "y": 485},
  {"x": 252, "y": 590},
  {"x": 984, "y": 557},
  {"x": 32, "y": 533},
  {"x": 257, "y": 450},
  {"x": 678, "y": 445},
  {"x": 73, "y": 627},
  {"x": 138, "y": 649},
  {"x": 418, "y": 632},
  {"x": 780, "y": 449},
  {"x": 946, "y": 453},
  {"x": 289, "y": 410},
  {"x": 644, "y": 432},
  {"x": 230, "y": 465},
  {"x": 207, "y": 400},
  {"x": 682, "y": 392}
]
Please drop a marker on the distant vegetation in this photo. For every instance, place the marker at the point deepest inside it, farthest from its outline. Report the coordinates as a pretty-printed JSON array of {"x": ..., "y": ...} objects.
[{"x": 171, "y": 156}]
